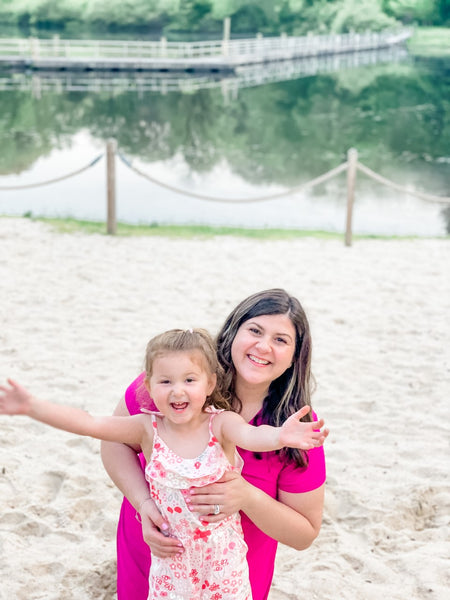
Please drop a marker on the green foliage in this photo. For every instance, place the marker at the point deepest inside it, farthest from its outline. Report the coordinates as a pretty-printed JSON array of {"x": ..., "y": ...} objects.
[
  {"x": 193, "y": 15},
  {"x": 360, "y": 15},
  {"x": 424, "y": 12},
  {"x": 430, "y": 41},
  {"x": 249, "y": 16},
  {"x": 130, "y": 13}
]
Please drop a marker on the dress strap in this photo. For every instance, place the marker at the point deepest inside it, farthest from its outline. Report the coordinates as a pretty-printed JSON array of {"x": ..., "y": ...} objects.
[
  {"x": 211, "y": 418},
  {"x": 153, "y": 414}
]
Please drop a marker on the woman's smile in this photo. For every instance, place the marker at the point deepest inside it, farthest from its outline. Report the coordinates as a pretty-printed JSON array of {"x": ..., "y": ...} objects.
[{"x": 258, "y": 361}]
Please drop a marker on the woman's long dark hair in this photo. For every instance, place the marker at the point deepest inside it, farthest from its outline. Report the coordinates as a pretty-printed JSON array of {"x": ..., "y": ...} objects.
[{"x": 293, "y": 389}]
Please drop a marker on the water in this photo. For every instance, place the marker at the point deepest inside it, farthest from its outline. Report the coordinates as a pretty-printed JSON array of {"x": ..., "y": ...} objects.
[{"x": 266, "y": 130}]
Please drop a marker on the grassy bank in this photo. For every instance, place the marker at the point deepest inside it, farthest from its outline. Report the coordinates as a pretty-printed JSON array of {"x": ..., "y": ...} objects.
[
  {"x": 179, "y": 231},
  {"x": 198, "y": 231},
  {"x": 430, "y": 41}
]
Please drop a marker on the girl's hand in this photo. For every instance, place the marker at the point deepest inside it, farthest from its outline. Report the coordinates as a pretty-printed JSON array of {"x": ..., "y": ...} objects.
[
  {"x": 156, "y": 532},
  {"x": 14, "y": 399},
  {"x": 228, "y": 493},
  {"x": 297, "y": 434}
]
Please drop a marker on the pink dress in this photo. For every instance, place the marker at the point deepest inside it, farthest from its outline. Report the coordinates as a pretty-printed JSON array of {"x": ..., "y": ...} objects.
[{"x": 213, "y": 565}]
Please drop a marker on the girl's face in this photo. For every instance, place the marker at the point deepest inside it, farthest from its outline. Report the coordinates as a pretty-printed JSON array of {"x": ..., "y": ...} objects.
[
  {"x": 179, "y": 385},
  {"x": 263, "y": 349}
]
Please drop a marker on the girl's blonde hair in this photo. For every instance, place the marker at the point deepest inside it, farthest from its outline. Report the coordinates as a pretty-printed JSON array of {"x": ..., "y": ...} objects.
[{"x": 189, "y": 341}]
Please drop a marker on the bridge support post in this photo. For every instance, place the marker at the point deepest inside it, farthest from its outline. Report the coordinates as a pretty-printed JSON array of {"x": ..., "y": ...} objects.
[{"x": 226, "y": 36}]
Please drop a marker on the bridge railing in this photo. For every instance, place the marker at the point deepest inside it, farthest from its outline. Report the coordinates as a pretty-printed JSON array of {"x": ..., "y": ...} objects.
[{"x": 270, "y": 47}]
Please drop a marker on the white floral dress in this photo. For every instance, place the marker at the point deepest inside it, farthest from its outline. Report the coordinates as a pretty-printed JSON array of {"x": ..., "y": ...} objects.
[{"x": 213, "y": 565}]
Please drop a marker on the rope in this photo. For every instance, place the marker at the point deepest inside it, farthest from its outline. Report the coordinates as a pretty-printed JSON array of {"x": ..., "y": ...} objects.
[
  {"x": 311, "y": 183},
  {"x": 400, "y": 188},
  {"x": 32, "y": 185}
]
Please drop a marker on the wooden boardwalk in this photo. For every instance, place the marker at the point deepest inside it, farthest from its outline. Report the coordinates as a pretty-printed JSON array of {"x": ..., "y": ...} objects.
[
  {"x": 190, "y": 57},
  {"x": 163, "y": 82}
]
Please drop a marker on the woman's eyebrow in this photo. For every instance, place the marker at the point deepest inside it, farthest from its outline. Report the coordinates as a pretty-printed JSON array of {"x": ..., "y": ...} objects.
[{"x": 281, "y": 334}]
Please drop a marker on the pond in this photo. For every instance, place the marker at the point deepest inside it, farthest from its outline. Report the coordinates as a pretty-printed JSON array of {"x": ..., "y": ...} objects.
[{"x": 264, "y": 130}]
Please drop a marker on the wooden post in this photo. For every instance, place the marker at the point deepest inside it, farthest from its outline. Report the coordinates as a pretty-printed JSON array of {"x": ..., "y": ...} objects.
[
  {"x": 111, "y": 224},
  {"x": 34, "y": 48},
  {"x": 226, "y": 36},
  {"x": 163, "y": 46},
  {"x": 56, "y": 45},
  {"x": 352, "y": 160}
]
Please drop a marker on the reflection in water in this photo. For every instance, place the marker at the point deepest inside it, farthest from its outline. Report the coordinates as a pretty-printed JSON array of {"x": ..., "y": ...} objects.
[{"x": 266, "y": 129}]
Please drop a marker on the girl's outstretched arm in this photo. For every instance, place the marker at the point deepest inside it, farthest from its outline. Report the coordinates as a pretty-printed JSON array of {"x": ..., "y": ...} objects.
[
  {"x": 17, "y": 400},
  {"x": 293, "y": 433}
]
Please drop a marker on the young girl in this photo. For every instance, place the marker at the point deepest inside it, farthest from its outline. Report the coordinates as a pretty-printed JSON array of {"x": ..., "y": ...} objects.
[{"x": 190, "y": 442}]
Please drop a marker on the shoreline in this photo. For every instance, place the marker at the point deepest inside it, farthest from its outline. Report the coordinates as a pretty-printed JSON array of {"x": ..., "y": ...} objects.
[{"x": 71, "y": 225}]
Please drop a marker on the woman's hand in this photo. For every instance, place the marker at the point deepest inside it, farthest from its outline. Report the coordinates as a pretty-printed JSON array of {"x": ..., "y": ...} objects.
[
  {"x": 156, "y": 532},
  {"x": 228, "y": 494}
]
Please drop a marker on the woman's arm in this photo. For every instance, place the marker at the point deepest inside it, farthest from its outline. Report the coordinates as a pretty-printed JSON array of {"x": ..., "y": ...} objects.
[
  {"x": 295, "y": 519},
  {"x": 124, "y": 468},
  {"x": 121, "y": 462}
]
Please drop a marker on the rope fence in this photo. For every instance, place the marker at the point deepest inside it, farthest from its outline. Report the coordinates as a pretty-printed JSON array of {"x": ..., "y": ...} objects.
[
  {"x": 275, "y": 196},
  {"x": 55, "y": 180},
  {"x": 400, "y": 188},
  {"x": 351, "y": 166}
]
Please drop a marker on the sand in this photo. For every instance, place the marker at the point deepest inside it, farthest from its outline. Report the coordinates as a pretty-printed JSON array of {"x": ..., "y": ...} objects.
[{"x": 76, "y": 312}]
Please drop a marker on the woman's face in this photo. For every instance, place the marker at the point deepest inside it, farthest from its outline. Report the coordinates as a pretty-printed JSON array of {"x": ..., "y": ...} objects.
[{"x": 263, "y": 349}]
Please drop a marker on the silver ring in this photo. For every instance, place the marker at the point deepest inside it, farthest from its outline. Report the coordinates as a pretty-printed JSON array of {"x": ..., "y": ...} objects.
[{"x": 216, "y": 509}]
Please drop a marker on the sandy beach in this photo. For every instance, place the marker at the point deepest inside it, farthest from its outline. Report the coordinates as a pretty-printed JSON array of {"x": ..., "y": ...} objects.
[{"x": 76, "y": 312}]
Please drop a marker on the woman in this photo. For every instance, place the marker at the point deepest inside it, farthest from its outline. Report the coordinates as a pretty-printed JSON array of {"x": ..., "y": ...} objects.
[{"x": 265, "y": 349}]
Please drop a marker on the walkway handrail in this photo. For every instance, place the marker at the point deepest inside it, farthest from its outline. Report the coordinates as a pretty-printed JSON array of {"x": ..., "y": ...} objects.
[
  {"x": 313, "y": 182},
  {"x": 55, "y": 180},
  {"x": 308, "y": 45}
]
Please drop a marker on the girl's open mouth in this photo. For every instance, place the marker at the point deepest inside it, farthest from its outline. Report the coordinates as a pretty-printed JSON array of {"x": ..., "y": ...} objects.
[{"x": 179, "y": 405}]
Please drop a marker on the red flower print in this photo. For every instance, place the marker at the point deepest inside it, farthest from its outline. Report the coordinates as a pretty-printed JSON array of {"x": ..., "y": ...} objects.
[
  {"x": 202, "y": 535},
  {"x": 213, "y": 441},
  {"x": 197, "y": 465}
]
